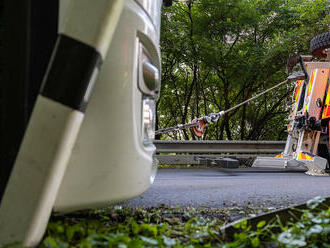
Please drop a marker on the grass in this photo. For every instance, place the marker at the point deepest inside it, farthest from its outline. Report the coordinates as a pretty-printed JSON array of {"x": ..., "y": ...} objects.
[
  {"x": 152, "y": 227},
  {"x": 187, "y": 227},
  {"x": 310, "y": 229}
]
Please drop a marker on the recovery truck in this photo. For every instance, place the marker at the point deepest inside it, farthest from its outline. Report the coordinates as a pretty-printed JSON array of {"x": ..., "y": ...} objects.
[{"x": 307, "y": 144}]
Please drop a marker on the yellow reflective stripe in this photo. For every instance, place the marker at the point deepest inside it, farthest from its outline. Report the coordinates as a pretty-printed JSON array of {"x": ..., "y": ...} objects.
[
  {"x": 309, "y": 157},
  {"x": 327, "y": 99},
  {"x": 311, "y": 83},
  {"x": 298, "y": 90},
  {"x": 305, "y": 108},
  {"x": 303, "y": 156},
  {"x": 310, "y": 88},
  {"x": 278, "y": 156}
]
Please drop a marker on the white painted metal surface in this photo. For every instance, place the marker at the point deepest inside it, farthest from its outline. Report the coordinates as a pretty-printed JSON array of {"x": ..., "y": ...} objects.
[
  {"x": 110, "y": 162},
  {"x": 280, "y": 163},
  {"x": 93, "y": 25},
  {"x": 50, "y": 136},
  {"x": 152, "y": 9},
  {"x": 38, "y": 171}
]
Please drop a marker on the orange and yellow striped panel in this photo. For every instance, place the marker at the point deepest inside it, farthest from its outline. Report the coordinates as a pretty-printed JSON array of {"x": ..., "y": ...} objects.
[
  {"x": 298, "y": 89},
  {"x": 326, "y": 109},
  {"x": 309, "y": 90},
  {"x": 310, "y": 85},
  {"x": 304, "y": 156}
]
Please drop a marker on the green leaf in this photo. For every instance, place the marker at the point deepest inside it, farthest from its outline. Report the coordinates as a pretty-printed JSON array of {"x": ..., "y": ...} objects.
[
  {"x": 237, "y": 225},
  {"x": 289, "y": 239},
  {"x": 315, "y": 229},
  {"x": 135, "y": 227},
  {"x": 75, "y": 230},
  {"x": 168, "y": 241},
  {"x": 121, "y": 245},
  {"x": 149, "y": 240},
  {"x": 49, "y": 242},
  {"x": 149, "y": 229},
  {"x": 261, "y": 224},
  {"x": 315, "y": 202},
  {"x": 244, "y": 224},
  {"x": 255, "y": 242}
]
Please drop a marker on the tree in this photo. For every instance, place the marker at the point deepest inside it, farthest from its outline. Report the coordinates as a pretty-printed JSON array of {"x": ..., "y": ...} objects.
[{"x": 217, "y": 54}]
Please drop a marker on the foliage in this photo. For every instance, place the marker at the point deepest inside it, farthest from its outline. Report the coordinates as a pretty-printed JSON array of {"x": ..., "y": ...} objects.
[
  {"x": 153, "y": 227},
  {"x": 311, "y": 229},
  {"x": 216, "y": 54},
  {"x": 187, "y": 227}
]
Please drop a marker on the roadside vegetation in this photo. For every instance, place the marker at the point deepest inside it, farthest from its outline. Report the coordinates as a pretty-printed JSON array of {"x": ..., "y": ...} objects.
[
  {"x": 187, "y": 227},
  {"x": 152, "y": 227}
]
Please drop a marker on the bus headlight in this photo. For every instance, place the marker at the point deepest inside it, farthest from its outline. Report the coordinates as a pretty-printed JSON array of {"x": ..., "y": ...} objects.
[{"x": 148, "y": 120}]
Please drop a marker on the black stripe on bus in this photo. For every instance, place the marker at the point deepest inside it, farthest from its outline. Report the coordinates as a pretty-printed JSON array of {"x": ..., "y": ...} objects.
[{"x": 70, "y": 72}]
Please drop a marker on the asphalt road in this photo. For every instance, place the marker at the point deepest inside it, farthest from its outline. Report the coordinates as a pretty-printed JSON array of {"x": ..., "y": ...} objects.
[{"x": 240, "y": 187}]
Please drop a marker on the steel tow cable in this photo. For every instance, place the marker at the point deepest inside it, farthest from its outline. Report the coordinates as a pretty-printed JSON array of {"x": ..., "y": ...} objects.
[{"x": 199, "y": 124}]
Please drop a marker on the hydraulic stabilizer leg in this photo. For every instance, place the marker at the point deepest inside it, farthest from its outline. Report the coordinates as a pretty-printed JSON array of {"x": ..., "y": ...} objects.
[
  {"x": 286, "y": 160},
  {"x": 59, "y": 111}
]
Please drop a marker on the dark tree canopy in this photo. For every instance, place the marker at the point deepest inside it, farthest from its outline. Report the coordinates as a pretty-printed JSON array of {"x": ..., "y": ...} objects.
[{"x": 217, "y": 54}]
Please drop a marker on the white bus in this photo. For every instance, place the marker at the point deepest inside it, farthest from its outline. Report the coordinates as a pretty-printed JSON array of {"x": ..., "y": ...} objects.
[{"x": 89, "y": 141}]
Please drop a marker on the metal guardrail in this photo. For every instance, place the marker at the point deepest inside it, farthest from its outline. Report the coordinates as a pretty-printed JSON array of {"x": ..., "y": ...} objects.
[
  {"x": 192, "y": 149},
  {"x": 216, "y": 146}
]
